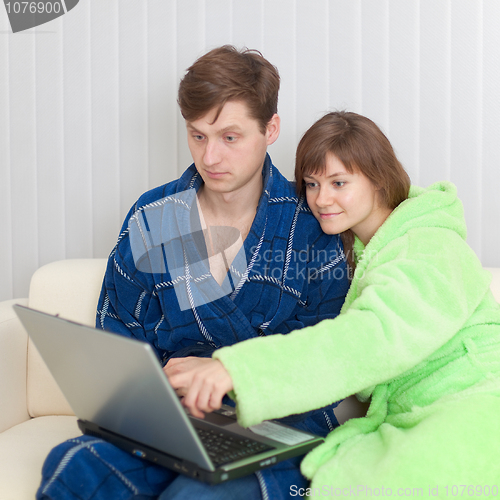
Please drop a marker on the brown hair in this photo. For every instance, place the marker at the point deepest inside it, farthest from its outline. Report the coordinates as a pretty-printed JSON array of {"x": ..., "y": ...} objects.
[
  {"x": 227, "y": 74},
  {"x": 360, "y": 145}
]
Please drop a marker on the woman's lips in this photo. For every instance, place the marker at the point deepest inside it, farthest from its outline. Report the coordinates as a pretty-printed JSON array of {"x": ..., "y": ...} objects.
[{"x": 331, "y": 215}]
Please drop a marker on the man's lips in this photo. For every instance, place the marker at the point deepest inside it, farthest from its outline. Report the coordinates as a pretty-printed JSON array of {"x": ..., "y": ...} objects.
[{"x": 215, "y": 175}]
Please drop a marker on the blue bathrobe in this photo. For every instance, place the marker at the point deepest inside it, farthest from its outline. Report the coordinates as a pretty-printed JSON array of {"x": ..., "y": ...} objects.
[{"x": 158, "y": 287}]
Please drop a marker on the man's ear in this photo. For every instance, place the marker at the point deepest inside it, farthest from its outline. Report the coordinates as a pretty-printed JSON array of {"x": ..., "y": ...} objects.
[{"x": 273, "y": 129}]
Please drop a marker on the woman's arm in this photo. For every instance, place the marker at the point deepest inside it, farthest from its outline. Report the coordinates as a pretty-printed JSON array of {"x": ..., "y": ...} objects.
[
  {"x": 415, "y": 295},
  {"x": 412, "y": 299}
]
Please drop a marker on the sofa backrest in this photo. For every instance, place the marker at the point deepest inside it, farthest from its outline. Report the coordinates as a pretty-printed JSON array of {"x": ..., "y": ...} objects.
[
  {"x": 495, "y": 282},
  {"x": 71, "y": 289}
]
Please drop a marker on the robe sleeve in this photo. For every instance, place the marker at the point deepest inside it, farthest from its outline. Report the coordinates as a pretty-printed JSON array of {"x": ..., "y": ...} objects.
[
  {"x": 412, "y": 298},
  {"x": 129, "y": 306},
  {"x": 125, "y": 300}
]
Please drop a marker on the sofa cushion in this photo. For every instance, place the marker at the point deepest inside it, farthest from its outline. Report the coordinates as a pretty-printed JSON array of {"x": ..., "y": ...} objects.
[
  {"x": 14, "y": 341},
  {"x": 71, "y": 289},
  {"x": 23, "y": 449}
]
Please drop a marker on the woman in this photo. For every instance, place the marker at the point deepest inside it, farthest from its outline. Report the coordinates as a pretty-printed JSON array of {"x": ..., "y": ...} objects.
[{"x": 418, "y": 335}]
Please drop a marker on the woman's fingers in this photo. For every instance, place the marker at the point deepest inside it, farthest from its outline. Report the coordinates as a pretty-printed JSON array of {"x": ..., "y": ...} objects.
[
  {"x": 180, "y": 371},
  {"x": 209, "y": 384}
]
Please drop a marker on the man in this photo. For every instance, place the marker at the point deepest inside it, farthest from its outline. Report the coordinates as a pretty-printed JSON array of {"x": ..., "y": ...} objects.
[{"x": 225, "y": 253}]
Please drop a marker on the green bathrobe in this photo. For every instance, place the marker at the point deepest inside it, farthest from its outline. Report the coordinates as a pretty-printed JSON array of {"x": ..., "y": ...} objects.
[{"x": 419, "y": 334}]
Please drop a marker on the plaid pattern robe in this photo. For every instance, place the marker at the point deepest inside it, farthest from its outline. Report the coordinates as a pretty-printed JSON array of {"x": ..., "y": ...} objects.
[{"x": 295, "y": 276}]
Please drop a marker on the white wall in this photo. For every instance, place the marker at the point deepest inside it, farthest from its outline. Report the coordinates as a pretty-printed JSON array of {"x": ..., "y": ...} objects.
[{"x": 88, "y": 114}]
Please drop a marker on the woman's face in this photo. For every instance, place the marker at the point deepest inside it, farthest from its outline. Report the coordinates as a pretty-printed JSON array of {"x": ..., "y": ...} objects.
[{"x": 341, "y": 200}]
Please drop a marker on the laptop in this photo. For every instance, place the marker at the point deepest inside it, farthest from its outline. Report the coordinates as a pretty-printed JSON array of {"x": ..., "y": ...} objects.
[{"x": 119, "y": 392}]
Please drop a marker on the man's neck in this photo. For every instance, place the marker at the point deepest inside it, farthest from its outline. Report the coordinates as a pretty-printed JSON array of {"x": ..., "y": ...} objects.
[{"x": 229, "y": 208}]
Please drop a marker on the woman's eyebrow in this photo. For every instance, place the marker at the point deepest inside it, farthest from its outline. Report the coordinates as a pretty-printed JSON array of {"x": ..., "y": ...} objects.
[{"x": 336, "y": 174}]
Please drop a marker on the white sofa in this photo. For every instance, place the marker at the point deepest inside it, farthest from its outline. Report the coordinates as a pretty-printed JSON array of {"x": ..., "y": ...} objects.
[{"x": 34, "y": 415}]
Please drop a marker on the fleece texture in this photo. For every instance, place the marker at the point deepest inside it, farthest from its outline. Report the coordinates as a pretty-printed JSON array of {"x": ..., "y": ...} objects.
[{"x": 419, "y": 335}]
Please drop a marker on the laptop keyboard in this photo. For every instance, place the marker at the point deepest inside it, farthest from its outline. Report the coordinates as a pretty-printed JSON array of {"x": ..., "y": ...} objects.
[{"x": 224, "y": 448}]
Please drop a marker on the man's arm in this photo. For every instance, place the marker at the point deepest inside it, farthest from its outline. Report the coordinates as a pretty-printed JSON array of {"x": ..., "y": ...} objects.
[
  {"x": 129, "y": 305},
  {"x": 126, "y": 305}
]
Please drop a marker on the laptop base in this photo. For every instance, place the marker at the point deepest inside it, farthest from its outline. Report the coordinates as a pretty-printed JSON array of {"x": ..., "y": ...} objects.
[{"x": 178, "y": 465}]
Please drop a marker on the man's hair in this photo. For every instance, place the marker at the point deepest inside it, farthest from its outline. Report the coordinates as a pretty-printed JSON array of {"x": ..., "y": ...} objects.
[
  {"x": 228, "y": 74},
  {"x": 361, "y": 146}
]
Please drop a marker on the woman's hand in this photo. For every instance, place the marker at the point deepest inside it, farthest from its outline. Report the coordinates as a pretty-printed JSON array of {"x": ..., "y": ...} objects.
[
  {"x": 181, "y": 370},
  {"x": 202, "y": 382}
]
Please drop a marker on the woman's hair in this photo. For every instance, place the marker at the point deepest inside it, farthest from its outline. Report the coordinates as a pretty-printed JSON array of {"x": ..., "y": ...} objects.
[
  {"x": 227, "y": 74},
  {"x": 362, "y": 147}
]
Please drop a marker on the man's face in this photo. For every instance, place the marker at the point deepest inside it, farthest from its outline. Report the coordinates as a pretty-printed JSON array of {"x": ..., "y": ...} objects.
[{"x": 229, "y": 153}]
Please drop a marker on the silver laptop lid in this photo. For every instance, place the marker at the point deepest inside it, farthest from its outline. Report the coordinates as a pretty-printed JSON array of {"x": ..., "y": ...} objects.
[{"x": 114, "y": 382}]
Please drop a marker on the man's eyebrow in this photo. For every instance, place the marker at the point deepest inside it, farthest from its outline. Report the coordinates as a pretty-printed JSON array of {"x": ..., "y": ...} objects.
[
  {"x": 228, "y": 128},
  {"x": 191, "y": 127}
]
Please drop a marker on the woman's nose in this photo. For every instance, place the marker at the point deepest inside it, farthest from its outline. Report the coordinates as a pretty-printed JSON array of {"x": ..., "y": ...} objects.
[{"x": 325, "y": 198}]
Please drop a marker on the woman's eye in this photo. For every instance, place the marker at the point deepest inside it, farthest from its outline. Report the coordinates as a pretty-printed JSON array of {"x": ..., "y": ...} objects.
[
  {"x": 310, "y": 185},
  {"x": 339, "y": 183}
]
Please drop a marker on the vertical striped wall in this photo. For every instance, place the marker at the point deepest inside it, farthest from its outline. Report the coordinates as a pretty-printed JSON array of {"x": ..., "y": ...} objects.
[{"x": 88, "y": 114}]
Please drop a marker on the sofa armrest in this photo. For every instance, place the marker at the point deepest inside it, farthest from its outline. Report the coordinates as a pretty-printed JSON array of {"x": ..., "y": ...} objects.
[
  {"x": 71, "y": 289},
  {"x": 13, "y": 353}
]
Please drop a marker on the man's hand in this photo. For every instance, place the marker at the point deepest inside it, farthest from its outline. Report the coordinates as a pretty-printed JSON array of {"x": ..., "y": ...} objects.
[{"x": 202, "y": 381}]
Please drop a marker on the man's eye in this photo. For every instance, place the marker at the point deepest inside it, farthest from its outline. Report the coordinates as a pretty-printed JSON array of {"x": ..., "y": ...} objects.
[
  {"x": 197, "y": 137},
  {"x": 230, "y": 138}
]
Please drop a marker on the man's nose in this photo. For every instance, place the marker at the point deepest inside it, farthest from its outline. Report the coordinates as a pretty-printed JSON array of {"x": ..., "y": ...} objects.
[{"x": 212, "y": 154}]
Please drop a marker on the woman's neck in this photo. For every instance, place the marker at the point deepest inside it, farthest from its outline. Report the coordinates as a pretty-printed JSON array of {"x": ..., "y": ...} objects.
[{"x": 377, "y": 218}]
